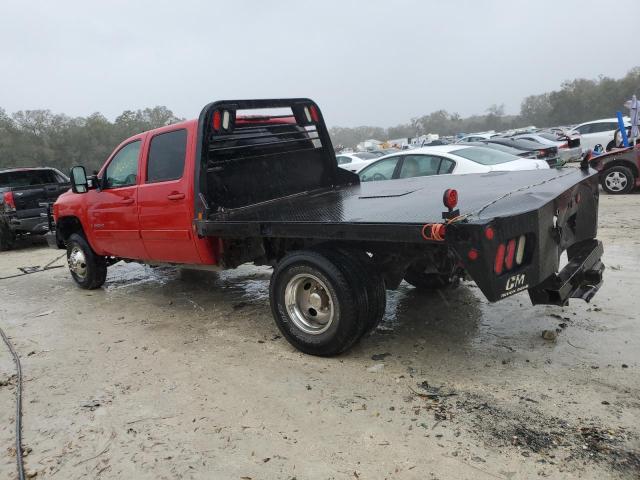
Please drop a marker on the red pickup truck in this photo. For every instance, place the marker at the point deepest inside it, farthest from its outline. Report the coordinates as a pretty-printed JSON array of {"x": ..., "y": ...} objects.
[{"x": 236, "y": 186}]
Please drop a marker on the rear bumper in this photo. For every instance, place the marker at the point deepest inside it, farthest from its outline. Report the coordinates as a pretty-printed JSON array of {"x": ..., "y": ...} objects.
[
  {"x": 580, "y": 278},
  {"x": 35, "y": 225},
  {"x": 570, "y": 155},
  {"x": 567, "y": 223}
]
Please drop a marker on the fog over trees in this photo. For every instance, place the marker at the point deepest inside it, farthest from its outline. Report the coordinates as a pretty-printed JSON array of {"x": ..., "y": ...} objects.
[{"x": 40, "y": 137}]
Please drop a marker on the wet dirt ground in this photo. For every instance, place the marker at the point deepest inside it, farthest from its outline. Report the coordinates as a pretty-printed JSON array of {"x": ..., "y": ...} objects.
[{"x": 170, "y": 374}]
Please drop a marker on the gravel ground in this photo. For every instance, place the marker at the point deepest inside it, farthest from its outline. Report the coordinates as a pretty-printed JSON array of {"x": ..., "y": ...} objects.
[{"x": 170, "y": 374}]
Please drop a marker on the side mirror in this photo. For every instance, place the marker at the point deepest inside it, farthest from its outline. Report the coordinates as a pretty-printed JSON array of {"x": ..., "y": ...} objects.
[{"x": 79, "y": 182}]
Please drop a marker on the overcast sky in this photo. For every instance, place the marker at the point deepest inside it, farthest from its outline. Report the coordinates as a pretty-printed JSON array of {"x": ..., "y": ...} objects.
[{"x": 364, "y": 62}]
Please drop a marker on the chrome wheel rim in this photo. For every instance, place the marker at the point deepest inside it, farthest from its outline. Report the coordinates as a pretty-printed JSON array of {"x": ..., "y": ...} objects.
[
  {"x": 616, "y": 181},
  {"x": 309, "y": 304},
  {"x": 78, "y": 262}
]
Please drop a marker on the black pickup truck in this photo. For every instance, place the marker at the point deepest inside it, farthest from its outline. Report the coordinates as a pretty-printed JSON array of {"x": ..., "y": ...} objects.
[
  {"x": 238, "y": 187},
  {"x": 22, "y": 190}
]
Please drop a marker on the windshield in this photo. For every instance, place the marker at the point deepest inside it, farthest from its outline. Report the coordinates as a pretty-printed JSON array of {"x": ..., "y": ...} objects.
[
  {"x": 485, "y": 156},
  {"x": 365, "y": 155}
]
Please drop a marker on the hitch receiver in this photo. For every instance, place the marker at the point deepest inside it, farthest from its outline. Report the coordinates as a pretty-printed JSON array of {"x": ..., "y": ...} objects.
[{"x": 580, "y": 278}]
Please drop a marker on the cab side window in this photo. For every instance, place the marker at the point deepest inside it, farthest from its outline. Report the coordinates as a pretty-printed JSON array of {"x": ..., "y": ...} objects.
[
  {"x": 167, "y": 154},
  {"x": 122, "y": 171}
]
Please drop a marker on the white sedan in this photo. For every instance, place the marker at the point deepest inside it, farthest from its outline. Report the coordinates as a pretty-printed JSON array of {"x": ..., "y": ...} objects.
[
  {"x": 355, "y": 161},
  {"x": 445, "y": 159}
]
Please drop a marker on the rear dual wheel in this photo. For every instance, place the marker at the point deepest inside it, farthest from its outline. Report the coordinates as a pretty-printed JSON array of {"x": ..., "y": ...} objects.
[{"x": 322, "y": 300}]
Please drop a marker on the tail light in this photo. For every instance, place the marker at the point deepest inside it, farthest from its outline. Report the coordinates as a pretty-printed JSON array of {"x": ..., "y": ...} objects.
[
  {"x": 314, "y": 113},
  {"x": 520, "y": 250},
  {"x": 450, "y": 198},
  {"x": 564, "y": 145},
  {"x": 510, "y": 254},
  {"x": 9, "y": 202},
  {"x": 499, "y": 262},
  {"x": 217, "y": 120},
  {"x": 311, "y": 113}
]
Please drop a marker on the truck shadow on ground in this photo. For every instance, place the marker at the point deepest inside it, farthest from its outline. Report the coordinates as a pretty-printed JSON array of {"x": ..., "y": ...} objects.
[{"x": 438, "y": 319}]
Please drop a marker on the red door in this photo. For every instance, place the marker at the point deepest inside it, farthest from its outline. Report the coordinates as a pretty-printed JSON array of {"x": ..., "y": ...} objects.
[
  {"x": 165, "y": 197},
  {"x": 113, "y": 210}
]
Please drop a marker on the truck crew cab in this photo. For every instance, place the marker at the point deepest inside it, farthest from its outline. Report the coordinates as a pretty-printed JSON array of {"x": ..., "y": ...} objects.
[{"x": 235, "y": 186}]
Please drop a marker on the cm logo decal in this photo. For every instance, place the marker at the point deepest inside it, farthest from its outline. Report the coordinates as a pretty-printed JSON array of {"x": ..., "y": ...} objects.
[
  {"x": 515, "y": 284},
  {"x": 515, "y": 281}
]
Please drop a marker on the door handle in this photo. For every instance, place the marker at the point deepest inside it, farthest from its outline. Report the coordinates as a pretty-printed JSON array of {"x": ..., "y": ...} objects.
[
  {"x": 127, "y": 201},
  {"x": 175, "y": 196}
]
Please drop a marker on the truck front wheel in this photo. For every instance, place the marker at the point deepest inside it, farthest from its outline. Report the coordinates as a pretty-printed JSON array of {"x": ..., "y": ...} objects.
[
  {"x": 314, "y": 304},
  {"x": 88, "y": 269}
]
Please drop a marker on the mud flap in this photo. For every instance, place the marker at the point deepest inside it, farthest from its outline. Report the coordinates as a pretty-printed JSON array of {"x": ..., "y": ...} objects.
[{"x": 580, "y": 278}]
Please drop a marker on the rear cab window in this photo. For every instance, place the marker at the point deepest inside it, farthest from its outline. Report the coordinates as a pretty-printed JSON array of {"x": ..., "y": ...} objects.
[
  {"x": 167, "y": 153},
  {"x": 26, "y": 178}
]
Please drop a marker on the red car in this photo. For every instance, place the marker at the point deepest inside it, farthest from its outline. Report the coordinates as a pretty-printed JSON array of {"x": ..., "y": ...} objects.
[{"x": 619, "y": 170}]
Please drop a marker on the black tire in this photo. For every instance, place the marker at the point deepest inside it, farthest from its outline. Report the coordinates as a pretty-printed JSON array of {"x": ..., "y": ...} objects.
[
  {"x": 611, "y": 145},
  {"x": 348, "y": 300},
  {"x": 359, "y": 262},
  {"x": 617, "y": 180},
  {"x": 427, "y": 281},
  {"x": 7, "y": 237},
  {"x": 95, "y": 266}
]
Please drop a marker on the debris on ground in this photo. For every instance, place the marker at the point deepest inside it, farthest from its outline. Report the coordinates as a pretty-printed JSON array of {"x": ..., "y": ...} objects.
[
  {"x": 377, "y": 368},
  {"x": 550, "y": 335},
  {"x": 380, "y": 356}
]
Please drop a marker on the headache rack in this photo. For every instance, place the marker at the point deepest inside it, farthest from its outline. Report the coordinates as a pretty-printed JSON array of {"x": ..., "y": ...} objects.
[{"x": 248, "y": 158}]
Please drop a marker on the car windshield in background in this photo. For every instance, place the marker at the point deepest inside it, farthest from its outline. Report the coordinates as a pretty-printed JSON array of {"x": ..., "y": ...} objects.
[
  {"x": 485, "y": 156},
  {"x": 519, "y": 143},
  {"x": 25, "y": 178},
  {"x": 548, "y": 136},
  {"x": 498, "y": 146},
  {"x": 365, "y": 155}
]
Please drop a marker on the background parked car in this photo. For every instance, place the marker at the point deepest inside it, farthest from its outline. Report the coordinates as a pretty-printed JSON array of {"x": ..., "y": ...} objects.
[
  {"x": 548, "y": 153},
  {"x": 565, "y": 152},
  {"x": 356, "y": 160},
  {"x": 21, "y": 192},
  {"x": 598, "y": 132},
  {"x": 456, "y": 159},
  {"x": 476, "y": 137},
  {"x": 506, "y": 149},
  {"x": 619, "y": 171}
]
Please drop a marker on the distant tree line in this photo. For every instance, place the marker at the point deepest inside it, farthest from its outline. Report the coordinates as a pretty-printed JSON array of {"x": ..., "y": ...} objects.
[
  {"x": 40, "y": 137},
  {"x": 576, "y": 101}
]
